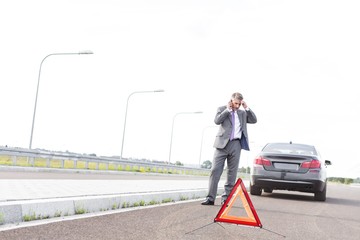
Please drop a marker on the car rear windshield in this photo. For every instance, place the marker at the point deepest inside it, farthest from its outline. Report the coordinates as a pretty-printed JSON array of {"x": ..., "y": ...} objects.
[{"x": 300, "y": 149}]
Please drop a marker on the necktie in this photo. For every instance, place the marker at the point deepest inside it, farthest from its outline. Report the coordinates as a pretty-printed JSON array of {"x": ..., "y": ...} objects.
[{"x": 233, "y": 125}]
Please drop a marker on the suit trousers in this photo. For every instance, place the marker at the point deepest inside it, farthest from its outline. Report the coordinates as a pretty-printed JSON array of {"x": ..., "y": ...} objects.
[{"x": 231, "y": 153}]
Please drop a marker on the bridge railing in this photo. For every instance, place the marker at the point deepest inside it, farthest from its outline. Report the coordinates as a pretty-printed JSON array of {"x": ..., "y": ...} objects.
[{"x": 64, "y": 160}]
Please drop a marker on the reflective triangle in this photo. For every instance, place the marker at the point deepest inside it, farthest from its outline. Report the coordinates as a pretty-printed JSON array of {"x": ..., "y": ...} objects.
[{"x": 236, "y": 215}]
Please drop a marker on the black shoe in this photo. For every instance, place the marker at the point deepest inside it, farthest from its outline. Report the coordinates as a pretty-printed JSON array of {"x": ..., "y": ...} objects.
[{"x": 207, "y": 202}]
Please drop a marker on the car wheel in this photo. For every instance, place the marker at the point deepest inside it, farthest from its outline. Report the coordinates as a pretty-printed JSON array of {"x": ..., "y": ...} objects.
[
  {"x": 321, "y": 196},
  {"x": 254, "y": 190}
]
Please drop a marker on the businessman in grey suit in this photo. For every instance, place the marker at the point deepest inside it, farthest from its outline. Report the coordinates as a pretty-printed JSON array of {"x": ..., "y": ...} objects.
[{"x": 230, "y": 139}]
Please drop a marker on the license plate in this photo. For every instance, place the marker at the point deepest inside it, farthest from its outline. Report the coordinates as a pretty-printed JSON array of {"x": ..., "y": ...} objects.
[{"x": 286, "y": 166}]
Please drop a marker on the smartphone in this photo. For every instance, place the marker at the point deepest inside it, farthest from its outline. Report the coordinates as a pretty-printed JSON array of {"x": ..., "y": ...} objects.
[{"x": 231, "y": 105}]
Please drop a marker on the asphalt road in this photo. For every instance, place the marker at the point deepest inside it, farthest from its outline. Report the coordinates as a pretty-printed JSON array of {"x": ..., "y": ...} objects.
[{"x": 284, "y": 215}]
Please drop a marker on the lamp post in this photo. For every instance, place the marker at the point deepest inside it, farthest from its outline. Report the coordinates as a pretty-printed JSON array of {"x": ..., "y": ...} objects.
[
  {"x": 127, "y": 103},
  {"x": 172, "y": 129},
  {"x": 38, "y": 84},
  {"x": 202, "y": 139}
]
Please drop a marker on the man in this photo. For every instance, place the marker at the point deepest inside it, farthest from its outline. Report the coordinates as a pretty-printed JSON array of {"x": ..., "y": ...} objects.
[{"x": 230, "y": 139}]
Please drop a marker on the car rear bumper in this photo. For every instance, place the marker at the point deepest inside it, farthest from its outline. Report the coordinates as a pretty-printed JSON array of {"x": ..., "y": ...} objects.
[{"x": 291, "y": 185}]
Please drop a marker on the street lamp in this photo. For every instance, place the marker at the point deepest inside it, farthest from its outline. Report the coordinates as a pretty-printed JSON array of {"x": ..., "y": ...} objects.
[
  {"x": 202, "y": 139},
  {"x": 127, "y": 103},
  {"x": 38, "y": 83},
  {"x": 172, "y": 129}
]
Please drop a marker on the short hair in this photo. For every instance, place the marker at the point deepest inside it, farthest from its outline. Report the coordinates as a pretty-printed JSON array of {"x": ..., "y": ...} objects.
[{"x": 237, "y": 96}]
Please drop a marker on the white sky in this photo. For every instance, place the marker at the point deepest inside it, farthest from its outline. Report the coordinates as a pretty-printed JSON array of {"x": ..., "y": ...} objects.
[{"x": 295, "y": 62}]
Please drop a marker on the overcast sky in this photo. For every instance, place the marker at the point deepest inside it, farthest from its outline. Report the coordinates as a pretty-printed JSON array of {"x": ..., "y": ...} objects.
[{"x": 295, "y": 62}]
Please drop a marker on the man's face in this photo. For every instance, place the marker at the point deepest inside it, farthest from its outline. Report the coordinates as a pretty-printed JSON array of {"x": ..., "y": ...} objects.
[{"x": 236, "y": 104}]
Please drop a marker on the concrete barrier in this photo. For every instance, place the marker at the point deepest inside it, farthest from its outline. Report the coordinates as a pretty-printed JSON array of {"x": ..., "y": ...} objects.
[{"x": 13, "y": 212}]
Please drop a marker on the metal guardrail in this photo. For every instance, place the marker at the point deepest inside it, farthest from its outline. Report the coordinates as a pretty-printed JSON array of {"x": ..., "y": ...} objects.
[{"x": 29, "y": 157}]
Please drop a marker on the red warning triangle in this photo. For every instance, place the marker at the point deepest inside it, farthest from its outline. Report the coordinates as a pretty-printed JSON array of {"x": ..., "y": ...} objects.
[{"x": 238, "y": 192}]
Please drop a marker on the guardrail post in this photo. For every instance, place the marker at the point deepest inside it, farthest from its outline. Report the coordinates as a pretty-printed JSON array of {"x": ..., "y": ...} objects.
[
  {"x": 13, "y": 158},
  {"x": 31, "y": 161}
]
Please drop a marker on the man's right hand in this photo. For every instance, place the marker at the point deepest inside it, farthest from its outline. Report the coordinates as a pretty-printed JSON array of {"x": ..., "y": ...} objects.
[{"x": 230, "y": 106}]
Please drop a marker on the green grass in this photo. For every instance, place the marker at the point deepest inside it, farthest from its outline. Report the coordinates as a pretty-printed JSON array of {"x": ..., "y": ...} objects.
[
  {"x": 57, "y": 214},
  {"x": 80, "y": 164},
  {"x": 22, "y": 161},
  {"x": 153, "y": 202},
  {"x": 40, "y": 162},
  {"x": 29, "y": 217},
  {"x": 166, "y": 200},
  {"x": 80, "y": 210},
  {"x": 183, "y": 198},
  {"x": 1, "y": 218},
  {"x": 55, "y": 163},
  {"x": 125, "y": 205},
  {"x": 115, "y": 206},
  {"x": 5, "y": 160}
]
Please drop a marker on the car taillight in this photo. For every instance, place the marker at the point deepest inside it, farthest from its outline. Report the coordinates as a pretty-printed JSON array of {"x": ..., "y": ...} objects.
[
  {"x": 262, "y": 161},
  {"x": 311, "y": 164}
]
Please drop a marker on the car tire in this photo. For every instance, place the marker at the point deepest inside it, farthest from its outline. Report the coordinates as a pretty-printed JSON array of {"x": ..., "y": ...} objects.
[
  {"x": 321, "y": 196},
  {"x": 254, "y": 190}
]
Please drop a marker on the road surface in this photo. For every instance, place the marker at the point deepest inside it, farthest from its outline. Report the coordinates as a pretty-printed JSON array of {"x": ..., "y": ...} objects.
[{"x": 284, "y": 215}]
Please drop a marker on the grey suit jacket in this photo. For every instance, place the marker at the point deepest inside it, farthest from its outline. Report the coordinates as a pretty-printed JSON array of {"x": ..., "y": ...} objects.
[{"x": 223, "y": 119}]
